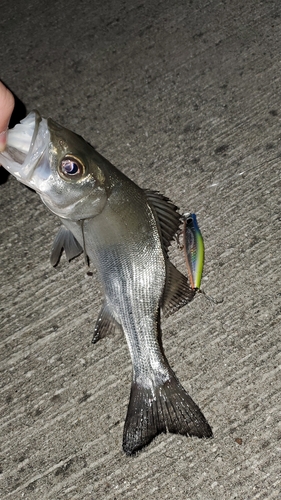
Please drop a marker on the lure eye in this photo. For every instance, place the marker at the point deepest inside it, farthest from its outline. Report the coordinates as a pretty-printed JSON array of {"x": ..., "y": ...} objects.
[{"x": 71, "y": 167}]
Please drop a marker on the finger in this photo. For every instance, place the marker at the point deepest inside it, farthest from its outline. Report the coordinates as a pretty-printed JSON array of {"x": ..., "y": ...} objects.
[{"x": 7, "y": 103}]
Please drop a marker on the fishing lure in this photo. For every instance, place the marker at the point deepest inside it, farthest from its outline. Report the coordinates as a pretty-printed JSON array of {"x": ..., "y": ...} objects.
[{"x": 194, "y": 250}]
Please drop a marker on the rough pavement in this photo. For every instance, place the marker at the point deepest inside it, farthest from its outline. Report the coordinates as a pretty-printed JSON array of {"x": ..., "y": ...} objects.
[{"x": 184, "y": 97}]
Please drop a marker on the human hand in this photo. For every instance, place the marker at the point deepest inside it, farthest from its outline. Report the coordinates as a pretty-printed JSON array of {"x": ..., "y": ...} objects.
[{"x": 7, "y": 103}]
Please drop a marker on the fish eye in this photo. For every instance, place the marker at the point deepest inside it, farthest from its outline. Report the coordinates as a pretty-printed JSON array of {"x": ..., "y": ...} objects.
[{"x": 71, "y": 167}]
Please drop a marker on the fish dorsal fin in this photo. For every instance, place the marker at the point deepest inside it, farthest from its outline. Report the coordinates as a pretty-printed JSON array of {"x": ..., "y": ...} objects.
[
  {"x": 167, "y": 216},
  {"x": 105, "y": 324},
  {"x": 177, "y": 291},
  {"x": 64, "y": 240}
]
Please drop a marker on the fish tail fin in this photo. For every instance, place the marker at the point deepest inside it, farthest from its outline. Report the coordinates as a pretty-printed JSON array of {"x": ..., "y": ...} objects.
[{"x": 161, "y": 408}]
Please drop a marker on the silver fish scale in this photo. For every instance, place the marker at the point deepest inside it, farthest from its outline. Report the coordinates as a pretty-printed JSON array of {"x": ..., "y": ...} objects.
[{"x": 131, "y": 266}]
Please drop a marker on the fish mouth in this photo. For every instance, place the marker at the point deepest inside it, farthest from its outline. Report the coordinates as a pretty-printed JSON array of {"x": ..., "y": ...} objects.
[{"x": 26, "y": 144}]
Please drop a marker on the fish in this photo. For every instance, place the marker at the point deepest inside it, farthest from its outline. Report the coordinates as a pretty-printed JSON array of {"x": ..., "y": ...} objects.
[
  {"x": 193, "y": 249},
  {"x": 125, "y": 231}
]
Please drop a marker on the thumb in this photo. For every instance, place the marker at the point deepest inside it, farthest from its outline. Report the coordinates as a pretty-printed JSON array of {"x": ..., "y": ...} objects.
[{"x": 7, "y": 103}]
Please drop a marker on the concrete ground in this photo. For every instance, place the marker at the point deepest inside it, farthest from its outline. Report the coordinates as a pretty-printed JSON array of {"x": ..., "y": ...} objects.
[{"x": 184, "y": 97}]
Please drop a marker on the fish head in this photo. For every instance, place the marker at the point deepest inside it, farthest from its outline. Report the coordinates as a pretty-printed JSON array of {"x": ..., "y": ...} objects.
[{"x": 59, "y": 165}]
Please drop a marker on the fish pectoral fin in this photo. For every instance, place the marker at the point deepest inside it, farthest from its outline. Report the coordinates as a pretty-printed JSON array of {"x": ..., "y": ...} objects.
[
  {"x": 177, "y": 290},
  {"x": 166, "y": 407},
  {"x": 105, "y": 324},
  {"x": 64, "y": 240},
  {"x": 167, "y": 216}
]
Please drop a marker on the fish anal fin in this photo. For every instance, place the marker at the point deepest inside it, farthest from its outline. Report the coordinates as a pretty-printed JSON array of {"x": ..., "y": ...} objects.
[
  {"x": 166, "y": 407},
  {"x": 167, "y": 216},
  {"x": 177, "y": 291},
  {"x": 105, "y": 324},
  {"x": 64, "y": 240}
]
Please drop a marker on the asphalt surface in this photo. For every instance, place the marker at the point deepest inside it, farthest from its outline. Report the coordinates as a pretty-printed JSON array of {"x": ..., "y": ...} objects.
[{"x": 183, "y": 97}]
